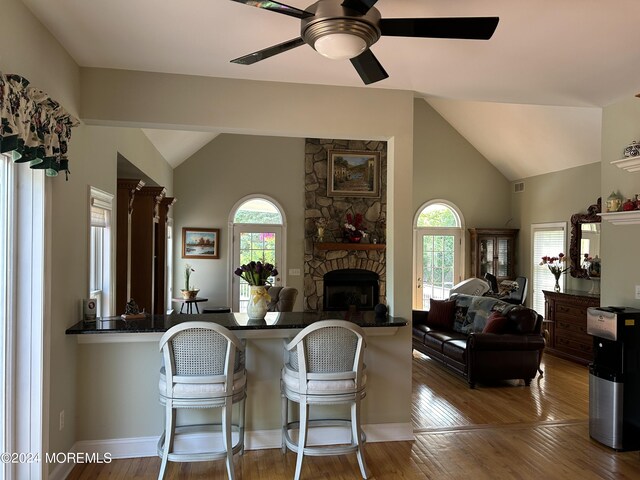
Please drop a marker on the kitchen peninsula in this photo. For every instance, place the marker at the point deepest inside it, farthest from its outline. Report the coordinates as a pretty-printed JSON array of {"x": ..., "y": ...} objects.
[
  {"x": 277, "y": 323},
  {"x": 125, "y": 390}
]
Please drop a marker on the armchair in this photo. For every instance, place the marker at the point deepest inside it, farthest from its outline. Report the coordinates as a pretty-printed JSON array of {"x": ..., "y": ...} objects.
[{"x": 282, "y": 299}]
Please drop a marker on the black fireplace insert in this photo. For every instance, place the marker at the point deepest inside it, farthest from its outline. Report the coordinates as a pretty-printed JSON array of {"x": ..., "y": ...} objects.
[{"x": 351, "y": 287}]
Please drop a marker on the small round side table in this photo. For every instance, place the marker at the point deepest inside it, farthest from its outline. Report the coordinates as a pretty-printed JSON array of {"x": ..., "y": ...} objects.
[{"x": 190, "y": 302}]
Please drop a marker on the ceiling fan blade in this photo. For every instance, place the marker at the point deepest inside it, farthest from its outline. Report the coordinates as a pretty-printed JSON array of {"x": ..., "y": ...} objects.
[
  {"x": 277, "y": 7},
  {"x": 361, "y": 6},
  {"x": 268, "y": 52},
  {"x": 472, "y": 28},
  {"x": 369, "y": 68}
]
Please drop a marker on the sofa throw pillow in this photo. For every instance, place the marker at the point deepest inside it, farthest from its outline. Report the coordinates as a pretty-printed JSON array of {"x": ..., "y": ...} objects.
[
  {"x": 441, "y": 314},
  {"x": 496, "y": 323}
]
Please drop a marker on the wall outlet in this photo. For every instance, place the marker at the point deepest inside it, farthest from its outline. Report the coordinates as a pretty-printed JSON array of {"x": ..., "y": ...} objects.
[
  {"x": 294, "y": 272},
  {"x": 61, "y": 419},
  {"x": 637, "y": 292}
]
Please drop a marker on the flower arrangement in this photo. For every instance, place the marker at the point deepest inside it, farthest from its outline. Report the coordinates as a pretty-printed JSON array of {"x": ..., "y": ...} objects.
[
  {"x": 353, "y": 229},
  {"x": 187, "y": 277},
  {"x": 256, "y": 273},
  {"x": 189, "y": 291},
  {"x": 557, "y": 265}
]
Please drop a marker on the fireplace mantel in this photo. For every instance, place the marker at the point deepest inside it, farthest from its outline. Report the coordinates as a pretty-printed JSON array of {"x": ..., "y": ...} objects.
[{"x": 349, "y": 246}]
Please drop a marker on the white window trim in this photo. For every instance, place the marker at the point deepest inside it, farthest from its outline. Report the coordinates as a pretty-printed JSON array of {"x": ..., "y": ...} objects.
[
  {"x": 419, "y": 231},
  {"x": 7, "y": 333},
  {"x": 104, "y": 200},
  {"x": 282, "y": 268},
  {"x": 534, "y": 261},
  {"x": 32, "y": 258}
]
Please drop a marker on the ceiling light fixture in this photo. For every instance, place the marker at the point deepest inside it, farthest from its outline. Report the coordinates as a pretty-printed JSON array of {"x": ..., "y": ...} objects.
[
  {"x": 335, "y": 34},
  {"x": 340, "y": 46}
]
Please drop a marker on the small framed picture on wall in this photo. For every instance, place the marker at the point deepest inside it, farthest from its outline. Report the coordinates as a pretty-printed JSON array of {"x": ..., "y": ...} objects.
[{"x": 200, "y": 242}]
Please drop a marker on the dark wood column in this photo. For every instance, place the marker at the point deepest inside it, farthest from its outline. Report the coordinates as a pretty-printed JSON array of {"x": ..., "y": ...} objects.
[{"x": 127, "y": 189}]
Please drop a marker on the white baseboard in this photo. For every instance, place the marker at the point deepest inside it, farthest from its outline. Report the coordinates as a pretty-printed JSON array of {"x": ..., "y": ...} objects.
[{"x": 254, "y": 440}]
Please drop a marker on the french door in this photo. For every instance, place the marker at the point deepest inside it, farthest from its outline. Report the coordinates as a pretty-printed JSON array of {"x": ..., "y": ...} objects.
[
  {"x": 437, "y": 264},
  {"x": 253, "y": 242}
]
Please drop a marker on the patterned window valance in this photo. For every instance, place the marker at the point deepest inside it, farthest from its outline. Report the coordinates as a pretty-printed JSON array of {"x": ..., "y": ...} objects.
[{"x": 34, "y": 127}]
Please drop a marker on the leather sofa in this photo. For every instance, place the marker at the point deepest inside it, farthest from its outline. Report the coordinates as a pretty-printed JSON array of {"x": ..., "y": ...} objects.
[{"x": 467, "y": 346}]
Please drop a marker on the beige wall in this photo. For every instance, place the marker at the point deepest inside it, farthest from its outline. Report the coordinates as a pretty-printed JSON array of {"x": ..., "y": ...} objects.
[
  {"x": 620, "y": 261},
  {"x": 550, "y": 198},
  {"x": 209, "y": 184},
  {"x": 111, "y": 97},
  {"x": 448, "y": 167},
  {"x": 36, "y": 55}
]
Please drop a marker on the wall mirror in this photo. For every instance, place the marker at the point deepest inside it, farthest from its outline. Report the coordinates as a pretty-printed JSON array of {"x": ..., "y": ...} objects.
[{"x": 585, "y": 238}]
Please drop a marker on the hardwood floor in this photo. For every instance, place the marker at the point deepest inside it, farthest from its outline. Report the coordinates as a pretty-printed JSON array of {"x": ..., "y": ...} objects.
[{"x": 501, "y": 431}]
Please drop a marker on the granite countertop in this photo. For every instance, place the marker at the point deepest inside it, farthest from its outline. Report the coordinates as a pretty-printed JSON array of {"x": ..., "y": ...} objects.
[{"x": 232, "y": 321}]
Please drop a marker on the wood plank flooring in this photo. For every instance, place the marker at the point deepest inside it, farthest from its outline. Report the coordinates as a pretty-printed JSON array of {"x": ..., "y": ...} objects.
[{"x": 499, "y": 431}]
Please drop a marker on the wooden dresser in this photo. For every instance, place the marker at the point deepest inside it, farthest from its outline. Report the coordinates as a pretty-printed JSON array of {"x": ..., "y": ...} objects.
[{"x": 566, "y": 324}]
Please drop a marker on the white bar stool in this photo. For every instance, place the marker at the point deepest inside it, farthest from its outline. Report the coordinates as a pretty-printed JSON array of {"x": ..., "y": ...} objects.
[
  {"x": 203, "y": 368},
  {"x": 324, "y": 366}
]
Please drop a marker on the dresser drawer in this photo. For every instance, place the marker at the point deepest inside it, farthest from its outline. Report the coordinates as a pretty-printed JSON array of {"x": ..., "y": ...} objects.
[
  {"x": 574, "y": 347},
  {"x": 572, "y": 328},
  {"x": 571, "y": 312}
]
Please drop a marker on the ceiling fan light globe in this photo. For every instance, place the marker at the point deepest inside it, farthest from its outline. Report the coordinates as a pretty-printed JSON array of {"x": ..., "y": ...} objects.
[{"x": 340, "y": 46}]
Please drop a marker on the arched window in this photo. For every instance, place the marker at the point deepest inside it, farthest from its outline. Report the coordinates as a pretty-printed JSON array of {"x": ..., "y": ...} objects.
[
  {"x": 258, "y": 231},
  {"x": 438, "y": 251},
  {"x": 258, "y": 210}
]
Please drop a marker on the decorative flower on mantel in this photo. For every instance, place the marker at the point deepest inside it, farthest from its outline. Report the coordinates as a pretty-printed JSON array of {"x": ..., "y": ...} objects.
[
  {"x": 353, "y": 228},
  {"x": 256, "y": 274},
  {"x": 557, "y": 265}
]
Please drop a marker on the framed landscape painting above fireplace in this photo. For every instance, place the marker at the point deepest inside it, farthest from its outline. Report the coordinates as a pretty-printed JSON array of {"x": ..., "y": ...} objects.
[{"x": 353, "y": 174}]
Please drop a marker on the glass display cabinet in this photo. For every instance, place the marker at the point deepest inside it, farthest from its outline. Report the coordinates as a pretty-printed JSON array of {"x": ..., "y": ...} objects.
[{"x": 493, "y": 251}]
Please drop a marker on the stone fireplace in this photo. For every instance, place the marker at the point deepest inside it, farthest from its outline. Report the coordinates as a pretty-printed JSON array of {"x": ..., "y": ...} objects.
[{"x": 333, "y": 254}]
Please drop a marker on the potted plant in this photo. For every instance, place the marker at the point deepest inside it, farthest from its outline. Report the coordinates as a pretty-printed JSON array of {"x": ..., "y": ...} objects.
[{"x": 189, "y": 291}]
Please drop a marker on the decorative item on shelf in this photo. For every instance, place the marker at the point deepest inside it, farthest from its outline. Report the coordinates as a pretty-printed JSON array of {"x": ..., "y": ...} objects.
[
  {"x": 321, "y": 225},
  {"x": 591, "y": 265},
  {"x": 257, "y": 275},
  {"x": 637, "y": 201},
  {"x": 557, "y": 266},
  {"x": 614, "y": 202},
  {"x": 189, "y": 292},
  {"x": 89, "y": 308},
  {"x": 628, "y": 205},
  {"x": 354, "y": 232},
  {"x": 632, "y": 150},
  {"x": 132, "y": 311},
  {"x": 380, "y": 311}
]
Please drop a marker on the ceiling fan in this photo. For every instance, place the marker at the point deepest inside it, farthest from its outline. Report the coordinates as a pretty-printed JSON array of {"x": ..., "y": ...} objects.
[{"x": 341, "y": 29}]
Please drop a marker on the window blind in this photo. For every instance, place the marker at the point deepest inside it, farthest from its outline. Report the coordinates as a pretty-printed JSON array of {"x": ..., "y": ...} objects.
[
  {"x": 550, "y": 241},
  {"x": 100, "y": 210}
]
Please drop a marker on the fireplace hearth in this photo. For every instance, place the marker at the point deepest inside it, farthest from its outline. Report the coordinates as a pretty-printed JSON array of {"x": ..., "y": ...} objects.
[{"x": 350, "y": 286}]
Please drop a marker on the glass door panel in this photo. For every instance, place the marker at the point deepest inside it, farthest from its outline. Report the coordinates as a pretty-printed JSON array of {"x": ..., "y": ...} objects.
[
  {"x": 436, "y": 268},
  {"x": 253, "y": 243},
  {"x": 486, "y": 256},
  {"x": 503, "y": 257}
]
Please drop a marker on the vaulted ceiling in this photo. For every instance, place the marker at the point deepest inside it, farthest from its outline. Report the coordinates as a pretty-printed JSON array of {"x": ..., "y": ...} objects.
[{"x": 529, "y": 99}]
